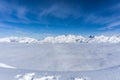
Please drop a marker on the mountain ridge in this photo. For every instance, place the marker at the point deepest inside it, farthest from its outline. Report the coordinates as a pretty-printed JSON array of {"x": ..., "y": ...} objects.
[{"x": 64, "y": 39}]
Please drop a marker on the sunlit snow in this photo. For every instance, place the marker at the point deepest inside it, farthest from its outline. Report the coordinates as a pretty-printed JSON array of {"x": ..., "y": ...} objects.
[
  {"x": 2, "y": 65},
  {"x": 64, "y": 39},
  {"x": 60, "y": 58}
]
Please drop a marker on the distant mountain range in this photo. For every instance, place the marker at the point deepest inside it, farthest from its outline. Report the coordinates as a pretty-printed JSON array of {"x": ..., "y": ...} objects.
[{"x": 64, "y": 39}]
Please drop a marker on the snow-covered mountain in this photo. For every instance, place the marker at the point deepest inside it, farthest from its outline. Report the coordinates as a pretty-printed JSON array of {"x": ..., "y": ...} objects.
[
  {"x": 18, "y": 39},
  {"x": 64, "y": 39},
  {"x": 81, "y": 39}
]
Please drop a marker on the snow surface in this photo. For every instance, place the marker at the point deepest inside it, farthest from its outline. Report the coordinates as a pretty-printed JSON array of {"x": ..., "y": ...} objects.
[
  {"x": 20, "y": 74},
  {"x": 32, "y": 76},
  {"x": 2, "y": 65},
  {"x": 93, "y": 58},
  {"x": 60, "y": 57},
  {"x": 64, "y": 39}
]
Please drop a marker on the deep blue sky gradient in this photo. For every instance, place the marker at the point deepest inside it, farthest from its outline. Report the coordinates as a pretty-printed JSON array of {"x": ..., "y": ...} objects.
[{"x": 40, "y": 18}]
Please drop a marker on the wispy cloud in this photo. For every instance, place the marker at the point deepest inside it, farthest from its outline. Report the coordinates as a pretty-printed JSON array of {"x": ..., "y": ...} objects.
[
  {"x": 12, "y": 13},
  {"x": 5, "y": 26},
  {"x": 56, "y": 11},
  {"x": 111, "y": 26},
  {"x": 109, "y": 20},
  {"x": 63, "y": 14}
]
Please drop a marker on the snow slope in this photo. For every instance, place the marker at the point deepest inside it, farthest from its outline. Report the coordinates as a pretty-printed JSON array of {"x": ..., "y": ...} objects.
[
  {"x": 2, "y": 65},
  {"x": 94, "y": 58},
  {"x": 19, "y": 74},
  {"x": 60, "y": 57}
]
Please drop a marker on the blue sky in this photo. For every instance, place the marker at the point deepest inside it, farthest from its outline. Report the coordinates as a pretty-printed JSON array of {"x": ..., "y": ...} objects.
[{"x": 40, "y": 18}]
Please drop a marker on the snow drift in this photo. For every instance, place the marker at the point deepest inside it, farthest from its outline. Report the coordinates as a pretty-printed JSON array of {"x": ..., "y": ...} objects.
[{"x": 2, "y": 65}]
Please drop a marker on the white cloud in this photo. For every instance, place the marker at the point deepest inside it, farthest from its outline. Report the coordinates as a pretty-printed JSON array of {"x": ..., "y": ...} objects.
[
  {"x": 57, "y": 11},
  {"x": 112, "y": 25},
  {"x": 8, "y": 9}
]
